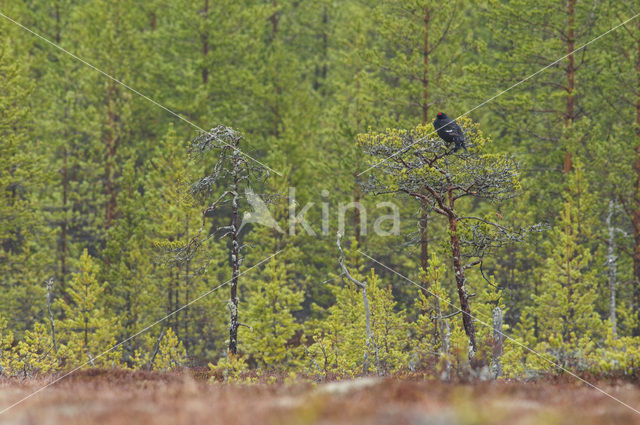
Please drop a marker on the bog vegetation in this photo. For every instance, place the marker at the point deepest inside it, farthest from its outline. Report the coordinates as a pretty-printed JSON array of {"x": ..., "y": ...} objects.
[{"x": 115, "y": 214}]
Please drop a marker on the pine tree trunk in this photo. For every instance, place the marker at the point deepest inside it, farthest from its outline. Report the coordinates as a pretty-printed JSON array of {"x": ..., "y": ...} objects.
[
  {"x": 111, "y": 142},
  {"x": 205, "y": 43},
  {"x": 235, "y": 258},
  {"x": 636, "y": 198},
  {"x": 276, "y": 88},
  {"x": 458, "y": 269},
  {"x": 425, "y": 69},
  {"x": 424, "y": 243},
  {"x": 321, "y": 68},
  {"x": 611, "y": 262},
  {"x": 571, "y": 75},
  {"x": 370, "y": 341},
  {"x": 187, "y": 283},
  {"x": 63, "y": 223},
  {"x": 424, "y": 212},
  {"x": 357, "y": 219},
  {"x": 498, "y": 339}
]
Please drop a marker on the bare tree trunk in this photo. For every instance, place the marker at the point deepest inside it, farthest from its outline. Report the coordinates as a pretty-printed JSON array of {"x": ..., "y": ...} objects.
[
  {"x": 185, "y": 338},
  {"x": 458, "y": 269},
  {"x": 49, "y": 301},
  {"x": 571, "y": 75},
  {"x": 612, "y": 265},
  {"x": 235, "y": 258},
  {"x": 443, "y": 329},
  {"x": 446, "y": 349},
  {"x": 498, "y": 339},
  {"x": 424, "y": 243},
  {"x": 156, "y": 349},
  {"x": 357, "y": 219},
  {"x": 370, "y": 341},
  {"x": 170, "y": 308}
]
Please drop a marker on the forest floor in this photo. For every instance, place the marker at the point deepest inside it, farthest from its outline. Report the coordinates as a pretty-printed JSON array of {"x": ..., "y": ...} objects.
[{"x": 124, "y": 397}]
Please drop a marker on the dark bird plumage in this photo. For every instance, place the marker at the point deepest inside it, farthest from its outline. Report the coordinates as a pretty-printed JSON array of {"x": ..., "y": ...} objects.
[{"x": 449, "y": 131}]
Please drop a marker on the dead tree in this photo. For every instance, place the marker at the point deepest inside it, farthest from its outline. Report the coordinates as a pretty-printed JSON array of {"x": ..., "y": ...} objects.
[
  {"x": 498, "y": 340},
  {"x": 229, "y": 179},
  {"x": 419, "y": 164},
  {"x": 370, "y": 341},
  {"x": 49, "y": 283}
]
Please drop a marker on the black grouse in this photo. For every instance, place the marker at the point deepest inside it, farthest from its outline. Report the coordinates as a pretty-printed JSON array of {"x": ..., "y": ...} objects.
[{"x": 449, "y": 131}]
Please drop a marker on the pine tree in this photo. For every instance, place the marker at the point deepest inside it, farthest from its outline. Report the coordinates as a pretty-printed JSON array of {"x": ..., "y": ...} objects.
[
  {"x": 339, "y": 343},
  {"x": 23, "y": 239},
  {"x": 32, "y": 355},
  {"x": 88, "y": 330},
  {"x": 174, "y": 218},
  {"x": 166, "y": 353},
  {"x": 413, "y": 163},
  {"x": 564, "y": 310},
  {"x": 270, "y": 323},
  {"x": 431, "y": 328}
]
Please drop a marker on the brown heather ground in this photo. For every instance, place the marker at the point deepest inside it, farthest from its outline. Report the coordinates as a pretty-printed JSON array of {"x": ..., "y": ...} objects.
[{"x": 124, "y": 397}]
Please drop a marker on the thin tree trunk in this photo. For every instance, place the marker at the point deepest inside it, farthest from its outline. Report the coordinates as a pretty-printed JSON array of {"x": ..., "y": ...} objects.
[
  {"x": 321, "y": 69},
  {"x": 276, "y": 87},
  {"x": 467, "y": 320},
  {"x": 205, "y": 43},
  {"x": 446, "y": 343},
  {"x": 571, "y": 71},
  {"x": 51, "y": 321},
  {"x": 63, "y": 223},
  {"x": 170, "y": 308},
  {"x": 424, "y": 213},
  {"x": 612, "y": 264},
  {"x": 235, "y": 258},
  {"x": 498, "y": 339},
  {"x": 111, "y": 142},
  {"x": 186, "y": 319},
  {"x": 424, "y": 243},
  {"x": 443, "y": 329},
  {"x": 425, "y": 69},
  {"x": 636, "y": 198},
  {"x": 370, "y": 341},
  {"x": 357, "y": 219}
]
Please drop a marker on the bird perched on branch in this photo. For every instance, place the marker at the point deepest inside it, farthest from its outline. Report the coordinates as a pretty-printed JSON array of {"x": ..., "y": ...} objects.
[{"x": 449, "y": 131}]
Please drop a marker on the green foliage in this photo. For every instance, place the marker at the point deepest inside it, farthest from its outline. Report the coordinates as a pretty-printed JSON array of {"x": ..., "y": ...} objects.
[
  {"x": 566, "y": 317},
  {"x": 91, "y": 170},
  {"x": 87, "y": 330},
  {"x": 167, "y": 354},
  {"x": 33, "y": 355},
  {"x": 339, "y": 342},
  {"x": 270, "y": 324},
  {"x": 230, "y": 369}
]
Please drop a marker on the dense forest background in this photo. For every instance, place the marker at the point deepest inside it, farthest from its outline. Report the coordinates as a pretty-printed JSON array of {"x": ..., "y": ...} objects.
[{"x": 95, "y": 199}]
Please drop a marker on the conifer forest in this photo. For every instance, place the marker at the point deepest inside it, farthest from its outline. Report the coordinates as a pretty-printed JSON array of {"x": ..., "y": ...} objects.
[{"x": 320, "y": 212}]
